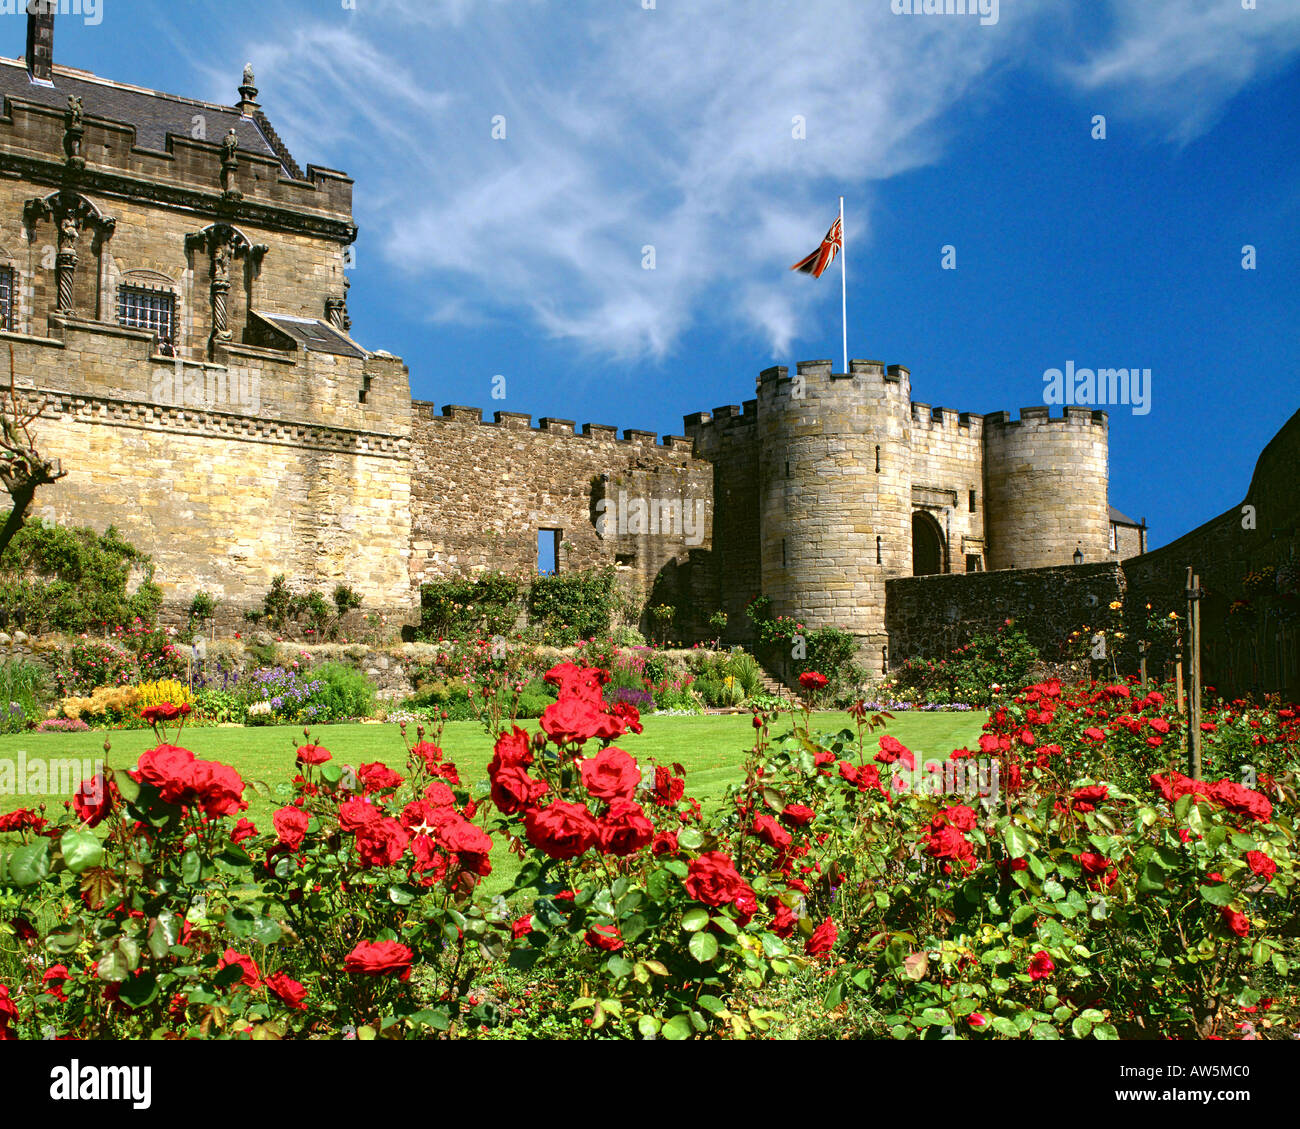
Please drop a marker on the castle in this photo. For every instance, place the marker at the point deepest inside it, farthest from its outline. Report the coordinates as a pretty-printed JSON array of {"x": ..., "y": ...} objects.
[{"x": 173, "y": 286}]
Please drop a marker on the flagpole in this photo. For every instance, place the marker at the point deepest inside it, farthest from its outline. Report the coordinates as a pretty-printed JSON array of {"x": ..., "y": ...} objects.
[{"x": 844, "y": 289}]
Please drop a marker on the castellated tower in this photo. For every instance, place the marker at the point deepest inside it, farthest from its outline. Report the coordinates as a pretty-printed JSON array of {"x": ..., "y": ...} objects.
[
  {"x": 1046, "y": 482},
  {"x": 834, "y": 480}
]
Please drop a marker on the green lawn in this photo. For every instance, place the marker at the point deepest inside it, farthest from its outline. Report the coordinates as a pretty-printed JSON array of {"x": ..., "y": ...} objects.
[{"x": 709, "y": 747}]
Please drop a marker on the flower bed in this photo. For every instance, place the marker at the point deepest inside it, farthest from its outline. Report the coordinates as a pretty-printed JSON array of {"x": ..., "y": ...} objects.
[{"x": 1061, "y": 879}]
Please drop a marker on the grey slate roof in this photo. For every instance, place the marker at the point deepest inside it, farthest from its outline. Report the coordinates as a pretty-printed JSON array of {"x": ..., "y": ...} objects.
[
  {"x": 1118, "y": 518},
  {"x": 312, "y": 335},
  {"x": 153, "y": 113}
]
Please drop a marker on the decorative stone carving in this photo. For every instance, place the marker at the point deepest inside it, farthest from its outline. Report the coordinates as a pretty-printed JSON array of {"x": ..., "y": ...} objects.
[
  {"x": 229, "y": 165},
  {"x": 73, "y": 132},
  {"x": 222, "y": 243},
  {"x": 71, "y": 213}
]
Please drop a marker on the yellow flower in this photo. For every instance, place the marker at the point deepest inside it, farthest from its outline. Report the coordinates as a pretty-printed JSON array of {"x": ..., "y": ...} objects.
[
  {"x": 1115, "y": 605},
  {"x": 1173, "y": 615}
]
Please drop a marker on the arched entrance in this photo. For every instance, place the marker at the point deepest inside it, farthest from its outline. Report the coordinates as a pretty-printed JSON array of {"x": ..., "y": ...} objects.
[{"x": 927, "y": 545}]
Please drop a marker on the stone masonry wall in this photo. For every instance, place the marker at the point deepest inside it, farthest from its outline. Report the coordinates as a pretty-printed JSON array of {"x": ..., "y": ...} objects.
[
  {"x": 224, "y": 499},
  {"x": 1257, "y": 648},
  {"x": 926, "y": 616},
  {"x": 483, "y": 491}
]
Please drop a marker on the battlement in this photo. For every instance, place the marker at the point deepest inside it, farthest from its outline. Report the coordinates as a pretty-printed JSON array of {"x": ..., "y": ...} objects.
[
  {"x": 549, "y": 425},
  {"x": 1039, "y": 414},
  {"x": 944, "y": 419}
]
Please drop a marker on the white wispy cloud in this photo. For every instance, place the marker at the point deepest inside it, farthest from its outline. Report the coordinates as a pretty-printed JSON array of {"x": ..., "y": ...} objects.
[{"x": 673, "y": 127}]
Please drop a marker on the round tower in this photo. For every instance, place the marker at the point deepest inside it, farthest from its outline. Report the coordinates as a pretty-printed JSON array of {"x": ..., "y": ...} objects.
[
  {"x": 1046, "y": 487},
  {"x": 835, "y": 494}
]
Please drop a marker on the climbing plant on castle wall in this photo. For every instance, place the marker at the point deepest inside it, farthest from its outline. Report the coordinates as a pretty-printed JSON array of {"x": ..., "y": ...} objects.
[
  {"x": 54, "y": 578},
  {"x": 487, "y": 604},
  {"x": 573, "y": 605}
]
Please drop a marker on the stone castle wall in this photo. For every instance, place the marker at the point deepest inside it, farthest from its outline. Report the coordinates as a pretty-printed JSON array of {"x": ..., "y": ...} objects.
[
  {"x": 930, "y": 615},
  {"x": 482, "y": 491},
  {"x": 1257, "y": 647},
  {"x": 223, "y": 500}
]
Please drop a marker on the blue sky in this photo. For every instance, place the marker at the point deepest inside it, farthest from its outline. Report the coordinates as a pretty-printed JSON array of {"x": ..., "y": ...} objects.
[{"x": 673, "y": 127}]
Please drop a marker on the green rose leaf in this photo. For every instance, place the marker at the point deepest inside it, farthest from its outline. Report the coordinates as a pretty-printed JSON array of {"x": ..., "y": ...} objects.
[
  {"x": 704, "y": 947},
  {"x": 1219, "y": 894},
  {"x": 30, "y": 864},
  {"x": 1017, "y": 841},
  {"x": 677, "y": 1028},
  {"x": 80, "y": 849},
  {"x": 693, "y": 920}
]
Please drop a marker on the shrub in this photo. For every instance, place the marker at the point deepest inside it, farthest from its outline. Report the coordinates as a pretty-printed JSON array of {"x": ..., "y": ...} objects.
[
  {"x": 54, "y": 578},
  {"x": 573, "y": 605},
  {"x": 744, "y": 668},
  {"x": 487, "y": 604},
  {"x": 345, "y": 692}
]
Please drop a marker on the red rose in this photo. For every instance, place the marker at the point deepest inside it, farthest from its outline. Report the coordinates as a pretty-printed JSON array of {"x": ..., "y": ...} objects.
[
  {"x": 470, "y": 844},
  {"x": 629, "y": 715},
  {"x": 1087, "y": 799},
  {"x": 1261, "y": 864},
  {"x": 244, "y": 829},
  {"x": 427, "y": 752},
  {"x": 167, "y": 768},
  {"x": 514, "y": 790},
  {"x": 772, "y": 833},
  {"x": 521, "y": 926},
  {"x": 1239, "y": 923},
  {"x": 624, "y": 829},
  {"x": 1041, "y": 966},
  {"x": 577, "y": 681},
  {"x": 250, "y": 975},
  {"x": 378, "y": 777},
  {"x": 288, "y": 989},
  {"x": 163, "y": 712},
  {"x": 892, "y": 749},
  {"x": 217, "y": 788},
  {"x": 1237, "y": 798},
  {"x": 439, "y": 795},
  {"x": 379, "y": 958},
  {"x": 8, "y": 1013},
  {"x": 92, "y": 800},
  {"x": 822, "y": 940},
  {"x": 669, "y": 789},
  {"x": 1094, "y": 734},
  {"x": 18, "y": 820},
  {"x": 573, "y": 720},
  {"x": 52, "y": 981},
  {"x": 382, "y": 842},
  {"x": 712, "y": 879},
  {"x": 561, "y": 830},
  {"x": 784, "y": 919},
  {"x": 512, "y": 748},
  {"x": 959, "y": 816},
  {"x": 798, "y": 815},
  {"x": 290, "y": 826},
  {"x": 605, "y": 937},
  {"x": 313, "y": 754},
  {"x": 357, "y": 813},
  {"x": 611, "y": 775},
  {"x": 947, "y": 842},
  {"x": 665, "y": 843},
  {"x": 811, "y": 681}
]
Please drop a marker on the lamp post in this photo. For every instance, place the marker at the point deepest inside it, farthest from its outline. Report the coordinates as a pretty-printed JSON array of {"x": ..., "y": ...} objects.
[{"x": 1078, "y": 554}]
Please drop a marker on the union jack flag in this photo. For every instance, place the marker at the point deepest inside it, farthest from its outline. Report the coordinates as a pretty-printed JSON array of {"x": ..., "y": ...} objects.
[{"x": 820, "y": 259}]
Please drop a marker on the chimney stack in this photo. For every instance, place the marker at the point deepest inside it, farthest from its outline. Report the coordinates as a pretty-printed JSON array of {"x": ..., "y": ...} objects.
[{"x": 40, "y": 41}]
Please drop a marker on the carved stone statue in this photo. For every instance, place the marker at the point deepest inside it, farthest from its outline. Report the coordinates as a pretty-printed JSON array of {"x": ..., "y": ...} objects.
[
  {"x": 248, "y": 74},
  {"x": 72, "y": 118},
  {"x": 228, "y": 147}
]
